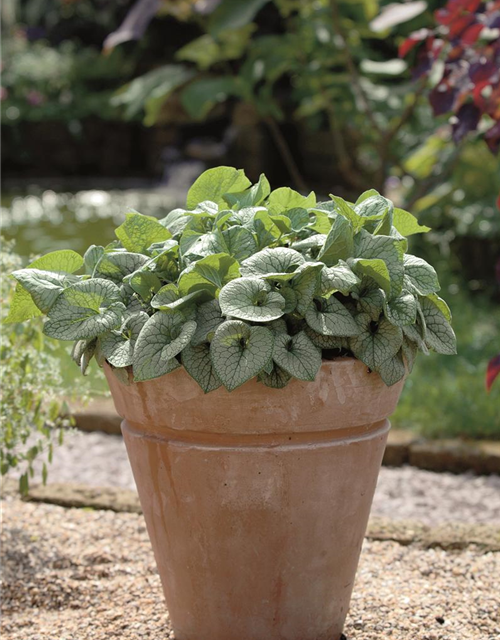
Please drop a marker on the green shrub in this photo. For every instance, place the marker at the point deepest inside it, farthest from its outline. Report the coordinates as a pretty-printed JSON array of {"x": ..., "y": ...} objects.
[
  {"x": 245, "y": 282},
  {"x": 31, "y": 413}
]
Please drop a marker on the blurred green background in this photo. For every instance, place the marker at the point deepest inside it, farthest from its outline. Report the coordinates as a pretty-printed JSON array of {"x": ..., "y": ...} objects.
[{"x": 111, "y": 106}]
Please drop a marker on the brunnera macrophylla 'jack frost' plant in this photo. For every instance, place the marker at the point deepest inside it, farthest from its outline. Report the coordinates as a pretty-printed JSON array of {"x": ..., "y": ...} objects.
[{"x": 245, "y": 282}]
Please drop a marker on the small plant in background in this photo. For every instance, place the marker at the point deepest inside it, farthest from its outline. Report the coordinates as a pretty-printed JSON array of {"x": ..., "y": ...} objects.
[
  {"x": 32, "y": 413},
  {"x": 246, "y": 282},
  {"x": 461, "y": 59}
]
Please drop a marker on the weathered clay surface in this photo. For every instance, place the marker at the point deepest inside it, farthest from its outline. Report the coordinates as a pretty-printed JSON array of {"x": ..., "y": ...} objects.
[{"x": 257, "y": 502}]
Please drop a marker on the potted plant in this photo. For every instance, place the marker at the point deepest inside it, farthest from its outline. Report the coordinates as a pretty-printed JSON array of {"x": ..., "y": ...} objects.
[{"x": 255, "y": 344}]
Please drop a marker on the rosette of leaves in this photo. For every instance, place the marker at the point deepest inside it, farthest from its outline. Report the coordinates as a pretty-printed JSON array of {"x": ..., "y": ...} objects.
[{"x": 245, "y": 282}]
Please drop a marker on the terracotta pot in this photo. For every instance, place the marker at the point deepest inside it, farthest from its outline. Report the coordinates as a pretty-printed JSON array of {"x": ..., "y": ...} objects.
[{"x": 257, "y": 501}]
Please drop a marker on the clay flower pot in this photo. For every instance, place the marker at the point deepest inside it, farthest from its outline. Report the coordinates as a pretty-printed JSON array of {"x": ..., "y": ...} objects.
[{"x": 257, "y": 501}]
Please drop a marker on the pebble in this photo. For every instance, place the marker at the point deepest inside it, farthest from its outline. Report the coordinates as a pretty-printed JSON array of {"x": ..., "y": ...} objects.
[{"x": 75, "y": 574}]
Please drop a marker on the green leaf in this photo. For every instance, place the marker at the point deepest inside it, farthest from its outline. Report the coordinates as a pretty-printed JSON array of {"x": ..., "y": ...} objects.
[
  {"x": 169, "y": 298},
  {"x": 392, "y": 370},
  {"x": 305, "y": 284},
  {"x": 144, "y": 283},
  {"x": 208, "y": 318},
  {"x": 85, "y": 310},
  {"x": 138, "y": 232},
  {"x": 297, "y": 356},
  {"x": 290, "y": 297},
  {"x": 209, "y": 274},
  {"x": 276, "y": 264},
  {"x": 198, "y": 363},
  {"x": 43, "y": 286},
  {"x": 251, "y": 197},
  {"x": 345, "y": 209},
  {"x": 377, "y": 341},
  {"x": 194, "y": 245},
  {"x": 370, "y": 299},
  {"x": 266, "y": 229},
  {"x": 339, "y": 243},
  {"x": 332, "y": 319},
  {"x": 299, "y": 218},
  {"x": 409, "y": 352},
  {"x": 374, "y": 207},
  {"x": 276, "y": 378},
  {"x": 91, "y": 258},
  {"x": 440, "y": 336},
  {"x": 374, "y": 268},
  {"x": 251, "y": 299},
  {"x": 118, "y": 346},
  {"x": 116, "y": 266},
  {"x": 401, "y": 310},
  {"x": 240, "y": 352},
  {"x": 240, "y": 242},
  {"x": 201, "y": 96},
  {"x": 284, "y": 199},
  {"x": 213, "y": 184},
  {"x": 386, "y": 248},
  {"x": 162, "y": 337},
  {"x": 22, "y": 306},
  {"x": 339, "y": 278},
  {"x": 365, "y": 195},
  {"x": 421, "y": 276},
  {"x": 407, "y": 224},
  {"x": 441, "y": 305},
  {"x": 233, "y": 14}
]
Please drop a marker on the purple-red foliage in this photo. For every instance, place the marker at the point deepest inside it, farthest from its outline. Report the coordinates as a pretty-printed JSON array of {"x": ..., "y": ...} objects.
[{"x": 466, "y": 43}]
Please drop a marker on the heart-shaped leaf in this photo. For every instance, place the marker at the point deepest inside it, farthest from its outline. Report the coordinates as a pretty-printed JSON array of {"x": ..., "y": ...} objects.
[
  {"x": 162, "y": 337},
  {"x": 339, "y": 243},
  {"x": 331, "y": 319},
  {"x": 118, "y": 346},
  {"x": 276, "y": 377},
  {"x": 251, "y": 299},
  {"x": 339, "y": 278},
  {"x": 215, "y": 183},
  {"x": 44, "y": 286},
  {"x": 278, "y": 264},
  {"x": 22, "y": 306},
  {"x": 401, "y": 310},
  {"x": 305, "y": 284},
  {"x": 208, "y": 318},
  {"x": 239, "y": 352},
  {"x": 116, "y": 266},
  {"x": 169, "y": 298},
  {"x": 407, "y": 224},
  {"x": 138, "y": 232},
  {"x": 392, "y": 370},
  {"x": 251, "y": 197},
  {"x": 85, "y": 310},
  {"x": 377, "y": 342},
  {"x": 374, "y": 268},
  {"x": 209, "y": 274},
  {"x": 297, "y": 356},
  {"x": 240, "y": 242},
  {"x": 198, "y": 363},
  {"x": 420, "y": 275},
  {"x": 284, "y": 199},
  {"x": 440, "y": 336}
]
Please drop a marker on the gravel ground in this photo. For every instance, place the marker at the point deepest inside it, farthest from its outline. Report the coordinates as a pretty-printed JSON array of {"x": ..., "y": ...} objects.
[
  {"x": 72, "y": 574},
  {"x": 404, "y": 493}
]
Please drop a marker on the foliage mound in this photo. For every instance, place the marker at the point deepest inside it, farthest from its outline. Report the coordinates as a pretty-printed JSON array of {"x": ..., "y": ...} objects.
[{"x": 245, "y": 282}]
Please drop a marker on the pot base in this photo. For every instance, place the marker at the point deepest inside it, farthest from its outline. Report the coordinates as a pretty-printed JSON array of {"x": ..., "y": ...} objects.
[{"x": 258, "y": 536}]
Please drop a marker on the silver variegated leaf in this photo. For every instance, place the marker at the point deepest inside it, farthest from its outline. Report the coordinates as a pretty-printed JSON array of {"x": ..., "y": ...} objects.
[
  {"x": 239, "y": 352},
  {"x": 297, "y": 355},
  {"x": 198, "y": 363},
  {"x": 251, "y": 299},
  {"x": 331, "y": 319},
  {"x": 162, "y": 338}
]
